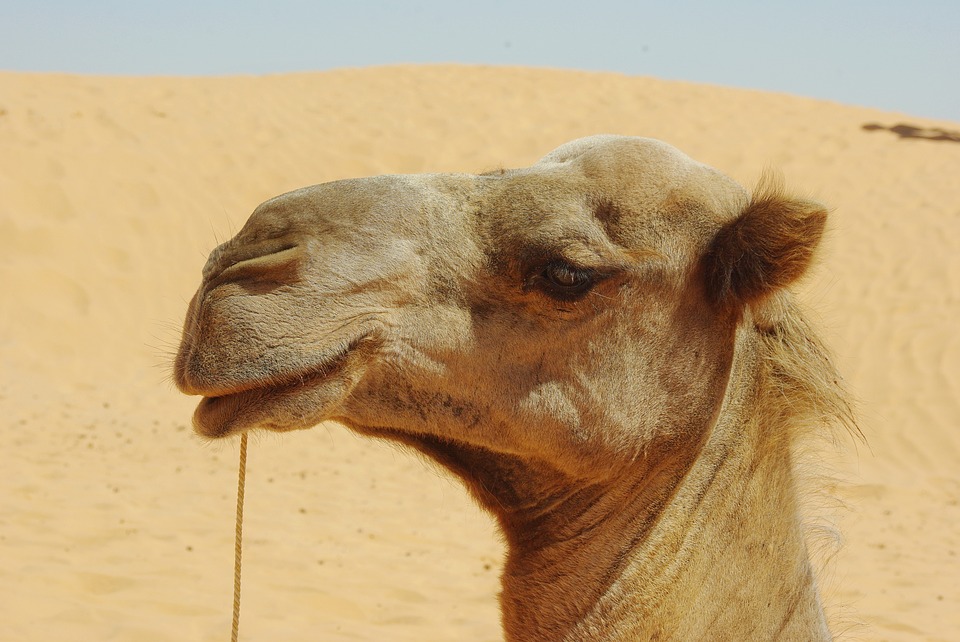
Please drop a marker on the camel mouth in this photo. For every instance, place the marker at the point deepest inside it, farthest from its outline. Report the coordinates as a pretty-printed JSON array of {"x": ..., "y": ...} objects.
[{"x": 287, "y": 402}]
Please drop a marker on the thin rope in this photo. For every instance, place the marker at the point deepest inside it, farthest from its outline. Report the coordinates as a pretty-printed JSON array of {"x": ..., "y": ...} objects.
[{"x": 238, "y": 546}]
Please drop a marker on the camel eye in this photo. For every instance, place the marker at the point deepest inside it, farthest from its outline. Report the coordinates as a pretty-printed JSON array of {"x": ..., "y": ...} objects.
[
  {"x": 566, "y": 276},
  {"x": 564, "y": 281}
]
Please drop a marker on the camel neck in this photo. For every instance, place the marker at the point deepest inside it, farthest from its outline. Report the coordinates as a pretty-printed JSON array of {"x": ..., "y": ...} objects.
[{"x": 707, "y": 548}]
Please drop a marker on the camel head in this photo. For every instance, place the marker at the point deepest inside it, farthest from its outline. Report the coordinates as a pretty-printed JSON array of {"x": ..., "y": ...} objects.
[{"x": 579, "y": 313}]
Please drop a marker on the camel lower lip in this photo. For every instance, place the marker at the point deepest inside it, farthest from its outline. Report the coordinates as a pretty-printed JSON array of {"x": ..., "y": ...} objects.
[
  {"x": 227, "y": 414},
  {"x": 213, "y": 414}
]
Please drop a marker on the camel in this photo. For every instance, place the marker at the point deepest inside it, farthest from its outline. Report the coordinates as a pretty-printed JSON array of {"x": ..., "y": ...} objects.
[{"x": 602, "y": 346}]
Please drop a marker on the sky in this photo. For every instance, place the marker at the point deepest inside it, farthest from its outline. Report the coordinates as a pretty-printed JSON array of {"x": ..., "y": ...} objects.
[{"x": 897, "y": 56}]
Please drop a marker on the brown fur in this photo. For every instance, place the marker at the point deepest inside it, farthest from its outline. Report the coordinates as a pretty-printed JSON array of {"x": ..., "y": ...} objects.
[{"x": 600, "y": 346}]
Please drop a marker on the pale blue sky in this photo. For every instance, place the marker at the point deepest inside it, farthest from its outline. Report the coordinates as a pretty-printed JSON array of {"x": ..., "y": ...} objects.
[{"x": 900, "y": 56}]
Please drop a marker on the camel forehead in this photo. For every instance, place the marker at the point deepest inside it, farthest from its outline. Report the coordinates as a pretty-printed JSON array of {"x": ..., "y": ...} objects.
[
  {"x": 655, "y": 151},
  {"x": 641, "y": 194},
  {"x": 645, "y": 171},
  {"x": 643, "y": 177}
]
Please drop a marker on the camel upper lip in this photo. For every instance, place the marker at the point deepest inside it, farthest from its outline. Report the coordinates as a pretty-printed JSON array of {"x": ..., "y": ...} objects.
[
  {"x": 242, "y": 406},
  {"x": 293, "y": 380},
  {"x": 325, "y": 365}
]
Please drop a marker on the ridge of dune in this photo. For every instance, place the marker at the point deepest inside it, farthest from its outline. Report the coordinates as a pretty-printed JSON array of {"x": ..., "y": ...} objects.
[{"x": 117, "y": 524}]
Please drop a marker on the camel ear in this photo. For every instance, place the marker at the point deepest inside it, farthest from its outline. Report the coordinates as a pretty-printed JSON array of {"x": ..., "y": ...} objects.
[{"x": 768, "y": 247}]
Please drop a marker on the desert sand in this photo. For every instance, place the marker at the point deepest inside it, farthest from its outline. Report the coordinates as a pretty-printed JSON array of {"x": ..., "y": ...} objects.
[{"x": 116, "y": 522}]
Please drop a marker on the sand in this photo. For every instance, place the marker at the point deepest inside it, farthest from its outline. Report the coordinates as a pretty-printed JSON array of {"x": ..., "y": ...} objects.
[{"x": 116, "y": 523}]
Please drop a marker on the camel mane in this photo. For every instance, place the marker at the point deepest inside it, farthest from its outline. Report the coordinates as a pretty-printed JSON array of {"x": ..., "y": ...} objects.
[{"x": 804, "y": 399}]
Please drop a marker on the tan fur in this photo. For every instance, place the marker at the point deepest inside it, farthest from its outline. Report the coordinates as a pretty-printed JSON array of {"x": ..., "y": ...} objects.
[{"x": 599, "y": 345}]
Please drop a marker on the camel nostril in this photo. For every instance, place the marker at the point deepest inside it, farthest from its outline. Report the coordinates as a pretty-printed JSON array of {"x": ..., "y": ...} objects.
[{"x": 279, "y": 265}]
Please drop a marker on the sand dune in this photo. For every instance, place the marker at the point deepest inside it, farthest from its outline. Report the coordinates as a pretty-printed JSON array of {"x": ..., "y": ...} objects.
[{"x": 117, "y": 524}]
